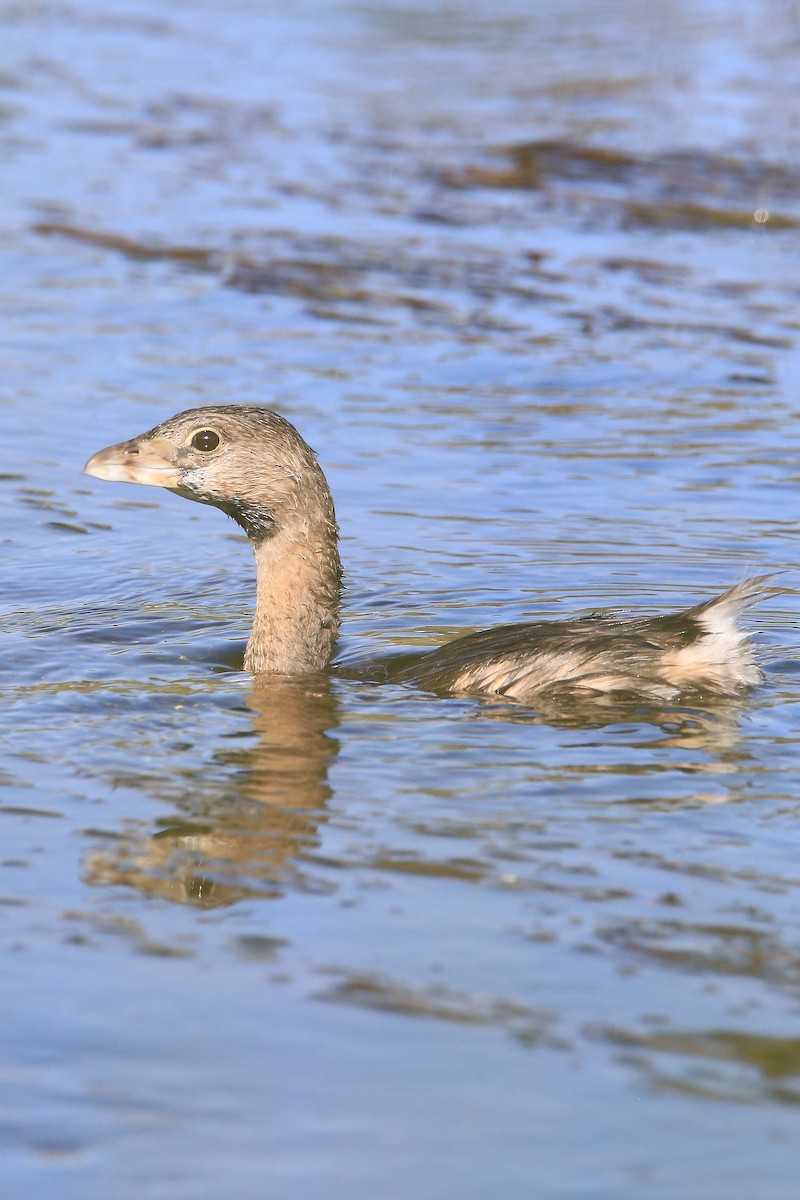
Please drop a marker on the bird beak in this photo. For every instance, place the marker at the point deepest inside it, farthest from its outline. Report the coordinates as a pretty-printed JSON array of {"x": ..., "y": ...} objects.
[{"x": 134, "y": 462}]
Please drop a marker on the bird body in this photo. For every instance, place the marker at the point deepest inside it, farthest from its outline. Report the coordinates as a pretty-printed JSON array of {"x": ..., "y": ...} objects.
[
  {"x": 658, "y": 657},
  {"x": 254, "y": 465}
]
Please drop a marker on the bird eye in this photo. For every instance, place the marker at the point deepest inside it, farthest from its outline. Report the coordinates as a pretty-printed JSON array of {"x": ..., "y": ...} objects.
[{"x": 205, "y": 439}]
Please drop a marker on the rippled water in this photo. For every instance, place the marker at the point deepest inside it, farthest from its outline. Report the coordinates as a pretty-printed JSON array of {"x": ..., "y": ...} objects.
[{"x": 528, "y": 281}]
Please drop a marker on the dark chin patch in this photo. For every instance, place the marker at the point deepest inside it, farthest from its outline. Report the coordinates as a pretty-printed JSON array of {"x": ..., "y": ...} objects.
[{"x": 257, "y": 522}]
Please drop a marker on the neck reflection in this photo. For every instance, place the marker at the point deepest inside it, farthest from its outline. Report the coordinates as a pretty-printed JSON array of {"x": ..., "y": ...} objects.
[{"x": 240, "y": 831}]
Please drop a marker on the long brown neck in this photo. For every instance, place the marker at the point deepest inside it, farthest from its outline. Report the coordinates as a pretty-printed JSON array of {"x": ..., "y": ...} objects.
[{"x": 298, "y": 584}]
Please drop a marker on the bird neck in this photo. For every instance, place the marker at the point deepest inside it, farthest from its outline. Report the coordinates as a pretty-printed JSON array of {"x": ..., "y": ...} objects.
[{"x": 298, "y": 586}]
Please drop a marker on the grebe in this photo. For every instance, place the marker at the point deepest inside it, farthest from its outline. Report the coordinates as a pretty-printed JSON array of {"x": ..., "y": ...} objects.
[{"x": 255, "y": 466}]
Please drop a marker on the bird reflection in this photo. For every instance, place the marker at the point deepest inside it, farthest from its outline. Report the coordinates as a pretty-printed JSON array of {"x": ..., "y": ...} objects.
[
  {"x": 244, "y": 821},
  {"x": 240, "y": 829},
  {"x": 701, "y": 738}
]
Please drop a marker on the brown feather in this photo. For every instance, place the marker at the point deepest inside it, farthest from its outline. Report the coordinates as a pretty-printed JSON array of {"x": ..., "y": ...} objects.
[{"x": 255, "y": 466}]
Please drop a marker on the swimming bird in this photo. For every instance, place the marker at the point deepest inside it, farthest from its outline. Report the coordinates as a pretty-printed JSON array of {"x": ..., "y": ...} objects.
[{"x": 253, "y": 464}]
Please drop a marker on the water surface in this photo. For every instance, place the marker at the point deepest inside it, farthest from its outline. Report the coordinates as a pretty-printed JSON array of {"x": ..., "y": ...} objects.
[{"x": 528, "y": 282}]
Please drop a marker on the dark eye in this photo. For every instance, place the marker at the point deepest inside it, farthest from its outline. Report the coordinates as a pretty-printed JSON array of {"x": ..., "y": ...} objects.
[{"x": 205, "y": 439}]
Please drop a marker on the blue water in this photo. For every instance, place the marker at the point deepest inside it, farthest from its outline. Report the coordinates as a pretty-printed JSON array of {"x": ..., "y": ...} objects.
[{"x": 527, "y": 281}]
